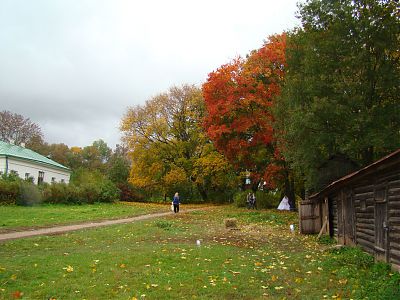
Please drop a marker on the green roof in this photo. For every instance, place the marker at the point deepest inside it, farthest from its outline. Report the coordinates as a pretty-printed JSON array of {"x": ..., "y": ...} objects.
[{"x": 10, "y": 150}]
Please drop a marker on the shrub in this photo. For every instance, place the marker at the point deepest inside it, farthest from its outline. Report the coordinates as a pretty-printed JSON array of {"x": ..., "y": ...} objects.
[
  {"x": 267, "y": 199},
  {"x": 89, "y": 192},
  {"x": 29, "y": 194},
  {"x": 128, "y": 193},
  {"x": 264, "y": 199},
  {"x": 108, "y": 192},
  {"x": 74, "y": 195},
  {"x": 240, "y": 198},
  {"x": 9, "y": 191},
  {"x": 56, "y": 193}
]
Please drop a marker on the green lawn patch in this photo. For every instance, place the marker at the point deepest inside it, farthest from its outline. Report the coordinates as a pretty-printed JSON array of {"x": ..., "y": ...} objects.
[
  {"x": 160, "y": 259},
  {"x": 17, "y": 217}
]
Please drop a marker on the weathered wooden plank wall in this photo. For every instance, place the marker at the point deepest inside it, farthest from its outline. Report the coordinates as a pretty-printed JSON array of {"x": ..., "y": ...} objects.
[
  {"x": 393, "y": 197},
  {"x": 363, "y": 195}
]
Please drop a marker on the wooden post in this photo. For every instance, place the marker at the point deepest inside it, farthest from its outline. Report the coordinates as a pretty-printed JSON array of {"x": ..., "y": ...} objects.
[
  {"x": 327, "y": 215},
  {"x": 323, "y": 227}
]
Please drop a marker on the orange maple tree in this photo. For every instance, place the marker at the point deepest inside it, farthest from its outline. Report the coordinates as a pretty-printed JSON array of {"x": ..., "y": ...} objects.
[{"x": 239, "y": 97}]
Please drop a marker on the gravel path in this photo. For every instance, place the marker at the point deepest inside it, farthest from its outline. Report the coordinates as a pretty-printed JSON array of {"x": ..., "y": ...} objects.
[{"x": 66, "y": 228}]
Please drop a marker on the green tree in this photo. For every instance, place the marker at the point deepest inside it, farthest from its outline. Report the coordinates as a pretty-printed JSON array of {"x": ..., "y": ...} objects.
[
  {"x": 118, "y": 169},
  {"x": 341, "y": 95},
  {"x": 96, "y": 156}
]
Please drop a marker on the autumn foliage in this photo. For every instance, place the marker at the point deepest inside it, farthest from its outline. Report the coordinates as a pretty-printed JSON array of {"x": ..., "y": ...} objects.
[{"x": 239, "y": 97}]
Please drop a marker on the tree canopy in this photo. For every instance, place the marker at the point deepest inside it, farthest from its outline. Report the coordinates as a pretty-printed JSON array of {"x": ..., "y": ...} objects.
[
  {"x": 17, "y": 129},
  {"x": 168, "y": 148},
  {"x": 341, "y": 94},
  {"x": 239, "y": 97}
]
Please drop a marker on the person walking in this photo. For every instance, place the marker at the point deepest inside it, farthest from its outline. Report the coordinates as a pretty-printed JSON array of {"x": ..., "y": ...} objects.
[
  {"x": 248, "y": 200},
  {"x": 253, "y": 201},
  {"x": 176, "y": 202}
]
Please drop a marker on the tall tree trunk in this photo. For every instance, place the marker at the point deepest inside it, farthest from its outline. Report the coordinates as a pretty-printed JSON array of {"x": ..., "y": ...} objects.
[{"x": 289, "y": 190}]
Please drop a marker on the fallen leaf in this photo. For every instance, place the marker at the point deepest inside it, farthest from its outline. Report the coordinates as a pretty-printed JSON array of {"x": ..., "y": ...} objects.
[
  {"x": 17, "y": 294},
  {"x": 69, "y": 269}
]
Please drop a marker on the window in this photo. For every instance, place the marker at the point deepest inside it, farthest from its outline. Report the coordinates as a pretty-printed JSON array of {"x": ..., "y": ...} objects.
[
  {"x": 27, "y": 176},
  {"x": 40, "y": 177},
  {"x": 62, "y": 180},
  {"x": 53, "y": 179}
]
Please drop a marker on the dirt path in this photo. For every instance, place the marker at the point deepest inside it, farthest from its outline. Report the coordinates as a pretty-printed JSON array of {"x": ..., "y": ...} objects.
[{"x": 66, "y": 228}]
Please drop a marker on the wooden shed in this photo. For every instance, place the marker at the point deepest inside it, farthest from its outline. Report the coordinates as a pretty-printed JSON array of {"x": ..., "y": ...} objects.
[{"x": 362, "y": 208}]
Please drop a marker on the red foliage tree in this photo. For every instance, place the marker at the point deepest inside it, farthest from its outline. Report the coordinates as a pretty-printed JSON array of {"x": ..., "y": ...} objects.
[{"x": 239, "y": 97}]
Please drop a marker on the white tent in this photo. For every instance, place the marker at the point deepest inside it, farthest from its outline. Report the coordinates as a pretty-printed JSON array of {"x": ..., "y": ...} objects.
[{"x": 284, "y": 205}]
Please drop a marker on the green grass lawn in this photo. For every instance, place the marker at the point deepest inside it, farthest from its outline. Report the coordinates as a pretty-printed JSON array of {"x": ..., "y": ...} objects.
[
  {"x": 159, "y": 259},
  {"x": 17, "y": 217}
]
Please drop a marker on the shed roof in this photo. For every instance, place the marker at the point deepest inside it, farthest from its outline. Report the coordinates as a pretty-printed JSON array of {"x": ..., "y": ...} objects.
[
  {"x": 10, "y": 150},
  {"x": 385, "y": 161}
]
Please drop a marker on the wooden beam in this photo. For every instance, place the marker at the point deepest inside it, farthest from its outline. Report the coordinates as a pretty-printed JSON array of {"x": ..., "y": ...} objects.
[{"x": 323, "y": 227}]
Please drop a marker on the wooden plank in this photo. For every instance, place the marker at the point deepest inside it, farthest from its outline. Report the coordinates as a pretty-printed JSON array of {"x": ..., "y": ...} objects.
[
  {"x": 395, "y": 222},
  {"x": 364, "y": 215},
  {"x": 365, "y": 226},
  {"x": 366, "y": 195},
  {"x": 393, "y": 213},
  {"x": 367, "y": 232},
  {"x": 359, "y": 189},
  {"x": 365, "y": 244},
  {"x": 395, "y": 254},
  {"x": 393, "y": 190},
  {"x": 393, "y": 198},
  {"x": 394, "y": 246},
  {"x": 365, "y": 221},
  {"x": 394, "y": 205},
  {"x": 324, "y": 227},
  {"x": 365, "y": 236}
]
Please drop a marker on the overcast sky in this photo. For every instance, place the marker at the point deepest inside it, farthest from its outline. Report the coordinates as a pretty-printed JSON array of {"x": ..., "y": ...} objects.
[{"x": 75, "y": 66}]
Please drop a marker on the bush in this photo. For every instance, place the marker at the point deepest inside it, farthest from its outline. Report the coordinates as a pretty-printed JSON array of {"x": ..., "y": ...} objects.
[
  {"x": 108, "y": 192},
  {"x": 128, "y": 193},
  {"x": 267, "y": 199},
  {"x": 9, "y": 191},
  {"x": 89, "y": 192},
  {"x": 264, "y": 199},
  {"x": 29, "y": 194},
  {"x": 56, "y": 193},
  {"x": 240, "y": 198}
]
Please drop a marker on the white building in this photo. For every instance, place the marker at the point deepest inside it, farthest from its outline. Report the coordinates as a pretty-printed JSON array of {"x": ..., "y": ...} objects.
[{"x": 29, "y": 164}]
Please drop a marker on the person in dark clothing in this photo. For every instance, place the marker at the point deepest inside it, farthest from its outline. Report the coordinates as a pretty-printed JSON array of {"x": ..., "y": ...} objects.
[
  {"x": 253, "y": 201},
  {"x": 248, "y": 201},
  {"x": 176, "y": 202}
]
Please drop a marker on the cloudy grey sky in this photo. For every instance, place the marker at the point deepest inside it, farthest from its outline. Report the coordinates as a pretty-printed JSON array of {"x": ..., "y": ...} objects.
[{"x": 74, "y": 66}]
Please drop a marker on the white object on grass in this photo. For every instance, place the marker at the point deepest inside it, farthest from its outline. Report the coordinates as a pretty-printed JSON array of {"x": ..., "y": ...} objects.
[{"x": 284, "y": 205}]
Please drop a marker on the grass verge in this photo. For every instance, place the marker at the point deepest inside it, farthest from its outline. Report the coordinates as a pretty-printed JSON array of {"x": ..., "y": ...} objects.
[
  {"x": 14, "y": 217},
  {"x": 160, "y": 259}
]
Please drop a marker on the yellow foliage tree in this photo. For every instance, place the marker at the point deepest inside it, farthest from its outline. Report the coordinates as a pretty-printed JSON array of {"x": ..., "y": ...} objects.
[{"x": 167, "y": 144}]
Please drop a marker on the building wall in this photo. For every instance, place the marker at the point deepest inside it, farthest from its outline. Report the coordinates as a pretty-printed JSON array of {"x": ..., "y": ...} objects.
[
  {"x": 22, "y": 167},
  {"x": 2, "y": 165},
  {"x": 369, "y": 195}
]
